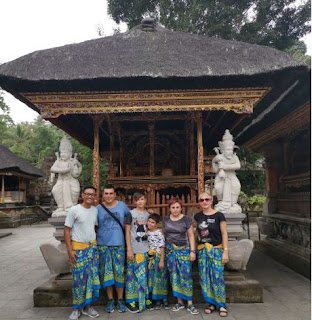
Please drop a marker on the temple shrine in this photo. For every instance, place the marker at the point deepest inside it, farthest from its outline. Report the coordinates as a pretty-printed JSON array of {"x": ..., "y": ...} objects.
[{"x": 154, "y": 103}]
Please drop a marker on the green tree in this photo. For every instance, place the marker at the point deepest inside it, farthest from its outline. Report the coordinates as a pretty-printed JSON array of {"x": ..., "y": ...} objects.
[
  {"x": 251, "y": 175},
  {"x": 5, "y": 119},
  {"x": 276, "y": 23}
]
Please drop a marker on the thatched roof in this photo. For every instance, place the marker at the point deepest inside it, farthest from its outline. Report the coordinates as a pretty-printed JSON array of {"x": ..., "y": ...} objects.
[
  {"x": 156, "y": 54},
  {"x": 11, "y": 162}
]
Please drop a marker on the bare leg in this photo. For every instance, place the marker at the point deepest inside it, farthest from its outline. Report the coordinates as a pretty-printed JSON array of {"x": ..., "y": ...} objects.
[
  {"x": 109, "y": 292},
  {"x": 120, "y": 292}
]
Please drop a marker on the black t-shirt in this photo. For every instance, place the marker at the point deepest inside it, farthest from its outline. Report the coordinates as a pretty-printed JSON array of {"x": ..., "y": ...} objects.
[{"x": 208, "y": 227}]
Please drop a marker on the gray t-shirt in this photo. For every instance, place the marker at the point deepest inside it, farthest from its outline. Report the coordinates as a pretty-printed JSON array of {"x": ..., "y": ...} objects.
[
  {"x": 176, "y": 231},
  {"x": 138, "y": 230},
  {"x": 82, "y": 222}
]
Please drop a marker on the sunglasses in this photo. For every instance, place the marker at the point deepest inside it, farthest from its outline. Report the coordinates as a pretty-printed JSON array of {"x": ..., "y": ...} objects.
[
  {"x": 206, "y": 199},
  {"x": 89, "y": 194}
]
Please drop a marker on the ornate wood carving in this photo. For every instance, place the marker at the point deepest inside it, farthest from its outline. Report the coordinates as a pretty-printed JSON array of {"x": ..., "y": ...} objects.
[
  {"x": 55, "y": 104},
  {"x": 96, "y": 155},
  {"x": 200, "y": 152}
]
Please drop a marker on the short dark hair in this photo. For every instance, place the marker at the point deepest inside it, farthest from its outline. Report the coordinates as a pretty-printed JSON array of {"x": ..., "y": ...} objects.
[
  {"x": 88, "y": 187},
  {"x": 137, "y": 195},
  {"x": 155, "y": 217},
  {"x": 108, "y": 186}
]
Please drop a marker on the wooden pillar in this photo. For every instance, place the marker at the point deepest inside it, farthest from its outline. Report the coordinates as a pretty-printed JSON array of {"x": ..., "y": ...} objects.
[
  {"x": 111, "y": 150},
  {"x": 96, "y": 156},
  {"x": 2, "y": 190},
  {"x": 200, "y": 157},
  {"x": 121, "y": 173},
  {"x": 151, "y": 130},
  {"x": 191, "y": 156},
  {"x": 19, "y": 189}
]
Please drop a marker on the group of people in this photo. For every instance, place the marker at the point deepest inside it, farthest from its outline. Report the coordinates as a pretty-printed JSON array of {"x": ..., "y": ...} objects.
[{"x": 111, "y": 246}]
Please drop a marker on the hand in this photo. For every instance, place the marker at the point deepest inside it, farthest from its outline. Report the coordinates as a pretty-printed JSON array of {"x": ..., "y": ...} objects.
[
  {"x": 161, "y": 265},
  {"x": 130, "y": 254},
  {"x": 225, "y": 257},
  {"x": 192, "y": 256},
  {"x": 221, "y": 165},
  {"x": 72, "y": 256}
]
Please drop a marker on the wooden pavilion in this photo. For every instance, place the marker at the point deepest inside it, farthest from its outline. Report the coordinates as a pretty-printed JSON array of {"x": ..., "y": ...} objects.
[
  {"x": 15, "y": 175},
  {"x": 156, "y": 102}
]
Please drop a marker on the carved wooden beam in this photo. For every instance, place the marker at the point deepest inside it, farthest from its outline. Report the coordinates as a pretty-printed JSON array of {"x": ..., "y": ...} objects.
[{"x": 55, "y": 104}]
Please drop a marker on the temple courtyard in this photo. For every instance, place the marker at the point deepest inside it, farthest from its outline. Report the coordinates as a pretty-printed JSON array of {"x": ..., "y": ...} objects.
[{"x": 286, "y": 293}]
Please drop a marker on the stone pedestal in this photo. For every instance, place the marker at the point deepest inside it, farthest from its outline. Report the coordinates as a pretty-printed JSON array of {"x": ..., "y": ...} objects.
[
  {"x": 234, "y": 224},
  {"x": 58, "y": 223}
]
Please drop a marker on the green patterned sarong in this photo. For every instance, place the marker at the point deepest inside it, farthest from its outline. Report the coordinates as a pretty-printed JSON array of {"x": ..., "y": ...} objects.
[
  {"x": 157, "y": 279},
  {"x": 112, "y": 266},
  {"x": 180, "y": 271},
  {"x": 211, "y": 279},
  {"x": 86, "y": 284},
  {"x": 136, "y": 280}
]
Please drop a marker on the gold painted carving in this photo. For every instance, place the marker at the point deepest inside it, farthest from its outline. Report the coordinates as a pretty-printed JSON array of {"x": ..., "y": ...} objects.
[{"x": 55, "y": 104}]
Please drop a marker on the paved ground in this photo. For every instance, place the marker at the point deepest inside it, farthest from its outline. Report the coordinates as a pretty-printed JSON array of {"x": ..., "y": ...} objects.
[{"x": 286, "y": 293}]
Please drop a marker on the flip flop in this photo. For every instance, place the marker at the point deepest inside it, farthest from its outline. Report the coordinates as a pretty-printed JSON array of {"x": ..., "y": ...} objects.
[
  {"x": 210, "y": 309},
  {"x": 223, "y": 311}
]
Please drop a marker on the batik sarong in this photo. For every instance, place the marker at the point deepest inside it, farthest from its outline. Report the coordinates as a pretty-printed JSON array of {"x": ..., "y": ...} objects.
[
  {"x": 86, "y": 284},
  {"x": 180, "y": 271},
  {"x": 211, "y": 274},
  {"x": 157, "y": 278},
  {"x": 136, "y": 280},
  {"x": 112, "y": 266}
]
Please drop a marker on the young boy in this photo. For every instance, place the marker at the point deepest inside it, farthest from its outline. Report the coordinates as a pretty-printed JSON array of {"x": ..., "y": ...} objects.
[
  {"x": 137, "y": 257},
  {"x": 79, "y": 234},
  {"x": 157, "y": 270}
]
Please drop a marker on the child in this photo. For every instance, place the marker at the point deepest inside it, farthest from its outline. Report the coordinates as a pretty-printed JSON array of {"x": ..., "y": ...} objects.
[
  {"x": 137, "y": 257},
  {"x": 157, "y": 270}
]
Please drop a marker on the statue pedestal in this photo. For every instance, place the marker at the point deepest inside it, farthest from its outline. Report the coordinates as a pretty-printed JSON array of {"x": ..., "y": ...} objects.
[
  {"x": 234, "y": 224},
  {"x": 58, "y": 223}
]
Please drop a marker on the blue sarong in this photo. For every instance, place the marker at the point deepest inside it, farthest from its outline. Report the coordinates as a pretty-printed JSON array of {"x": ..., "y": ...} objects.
[
  {"x": 112, "y": 266},
  {"x": 211, "y": 274},
  {"x": 136, "y": 280},
  {"x": 180, "y": 270},
  {"x": 157, "y": 279},
  {"x": 86, "y": 284}
]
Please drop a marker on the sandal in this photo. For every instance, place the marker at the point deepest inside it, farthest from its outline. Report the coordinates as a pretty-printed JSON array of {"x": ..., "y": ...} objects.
[
  {"x": 178, "y": 306},
  {"x": 224, "y": 311},
  {"x": 191, "y": 308},
  {"x": 210, "y": 309}
]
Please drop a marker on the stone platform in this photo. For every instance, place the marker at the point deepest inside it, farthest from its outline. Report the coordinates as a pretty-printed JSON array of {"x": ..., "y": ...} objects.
[{"x": 239, "y": 289}]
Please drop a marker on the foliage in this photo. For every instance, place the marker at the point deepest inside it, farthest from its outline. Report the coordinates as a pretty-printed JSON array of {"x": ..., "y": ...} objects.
[
  {"x": 35, "y": 141},
  {"x": 5, "y": 119},
  {"x": 276, "y": 23},
  {"x": 297, "y": 51},
  {"x": 253, "y": 203},
  {"x": 251, "y": 175}
]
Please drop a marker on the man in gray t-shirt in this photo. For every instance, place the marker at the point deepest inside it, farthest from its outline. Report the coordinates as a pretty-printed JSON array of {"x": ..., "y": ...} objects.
[{"x": 79, "y": 235}]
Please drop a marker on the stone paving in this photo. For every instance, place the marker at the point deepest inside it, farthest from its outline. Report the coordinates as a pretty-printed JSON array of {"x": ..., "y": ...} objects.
[{"x": 286, "y": 293}]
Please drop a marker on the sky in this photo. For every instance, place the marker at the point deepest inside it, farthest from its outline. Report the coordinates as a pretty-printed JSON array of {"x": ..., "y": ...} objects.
[{"x": 30, "y": 25}]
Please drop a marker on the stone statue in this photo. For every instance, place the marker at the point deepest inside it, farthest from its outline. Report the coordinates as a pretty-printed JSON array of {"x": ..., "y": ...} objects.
[
  {"x": 227, "y": 186},
  {"x": 67, "y": 188}
]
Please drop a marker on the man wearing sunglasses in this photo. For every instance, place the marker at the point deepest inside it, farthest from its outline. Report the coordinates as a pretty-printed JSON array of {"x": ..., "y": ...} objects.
[{"x": 80, "y": 240}]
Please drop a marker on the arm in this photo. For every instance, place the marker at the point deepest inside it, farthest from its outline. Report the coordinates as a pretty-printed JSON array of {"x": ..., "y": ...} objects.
[
  {"x": 225, "y": 255},
  {"x": 162, "y": 258},
  {"x": 233, "y": 166},
  {"x": 128, "y": 242},
  {"x": 191, "y": 237},
  {"x": 71, "y": 254}
]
